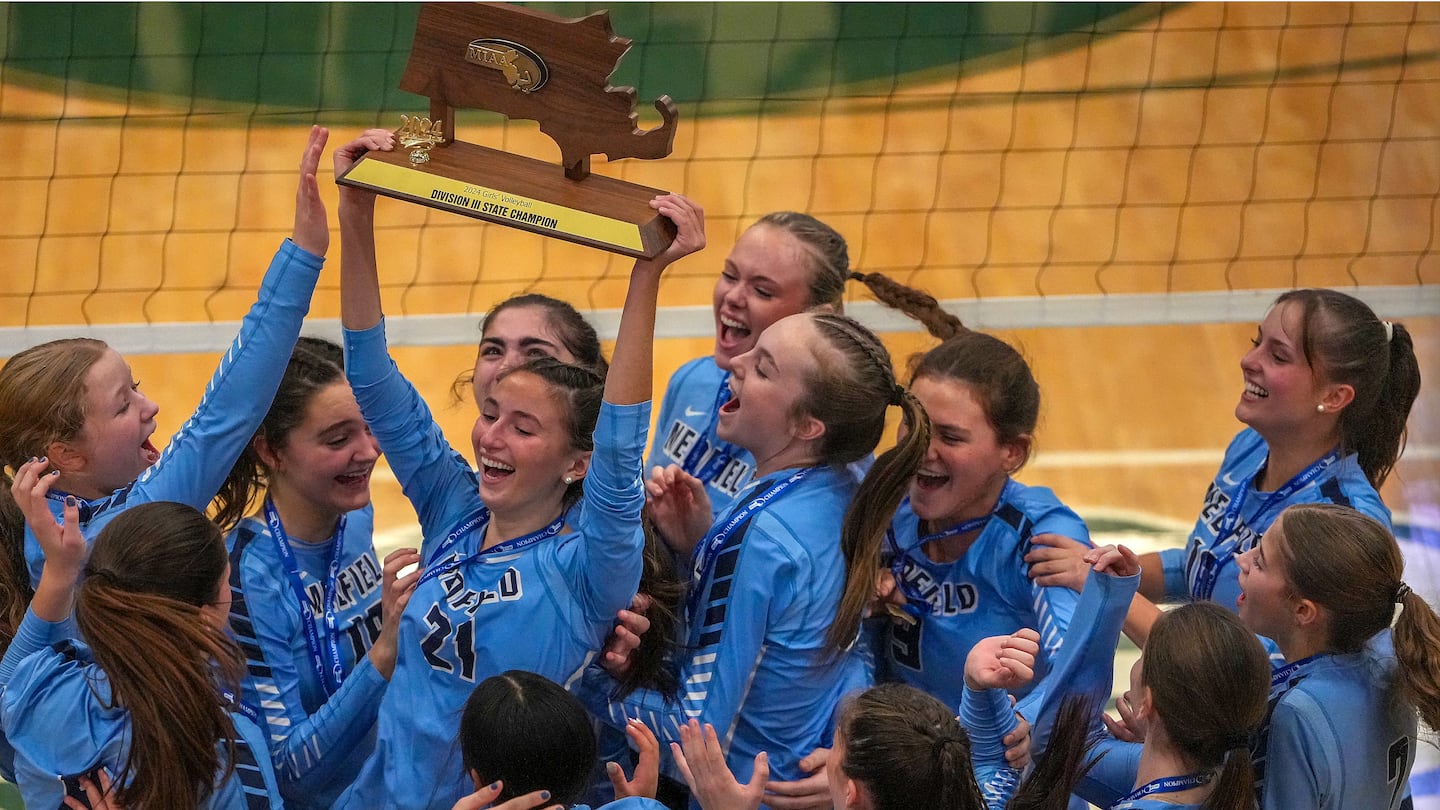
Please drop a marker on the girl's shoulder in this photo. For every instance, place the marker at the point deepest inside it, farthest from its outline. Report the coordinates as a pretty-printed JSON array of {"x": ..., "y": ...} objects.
[{"x": 59, "y": 691}]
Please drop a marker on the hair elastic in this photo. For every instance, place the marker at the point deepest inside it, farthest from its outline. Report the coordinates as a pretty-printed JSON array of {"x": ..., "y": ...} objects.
[
  {"x": 897, "y": 394},
  {"x": 1402, "y": 592}
]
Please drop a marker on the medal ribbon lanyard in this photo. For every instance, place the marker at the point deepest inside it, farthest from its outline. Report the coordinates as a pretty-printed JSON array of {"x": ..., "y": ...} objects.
[
  {"x": 902, "y": 555},
  {"x": 1169, "y": 784},
  {"x": 476, "y": 523},
  {"x": 709, "y": 547},
  {"x": 324, "y": 656},
  {"x": 720, "y": 457},
  {"x": 1227, "y": 544}
]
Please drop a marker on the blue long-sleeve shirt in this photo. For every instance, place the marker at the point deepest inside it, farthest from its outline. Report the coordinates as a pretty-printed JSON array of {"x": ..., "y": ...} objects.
[
  {"x": 986, "y": 592},
  {"x": 316, "y": 741},
  {"x": 545, "y": 608},
  {"x": 60, "y": 716},
  {"x": 1343, "y": 483},
  {"x": 756, "y": 664},
  {"x": 199, "y": 456}
]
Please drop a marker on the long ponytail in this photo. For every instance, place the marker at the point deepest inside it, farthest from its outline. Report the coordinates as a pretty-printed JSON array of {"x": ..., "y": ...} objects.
[
  {"x": 138, "y": 607},
  {"x": 1343, "y": 337},
  {"x": 850, "y": 397},
  {"x": 1352, "y": 567}
]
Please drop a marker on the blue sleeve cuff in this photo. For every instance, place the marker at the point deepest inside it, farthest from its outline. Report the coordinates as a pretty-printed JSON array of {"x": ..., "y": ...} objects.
[
  {"x": 1172, "y": 564},
  {"x": 33, "y": 634},
  {"x": 988, "y": 716}
]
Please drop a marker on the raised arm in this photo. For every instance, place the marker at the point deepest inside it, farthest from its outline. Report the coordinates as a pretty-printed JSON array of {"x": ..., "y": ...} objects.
[
  {"x": 360, "y": 306},
  {"x": 632, "y": 365},
  {"x": 201, "y": 453}
]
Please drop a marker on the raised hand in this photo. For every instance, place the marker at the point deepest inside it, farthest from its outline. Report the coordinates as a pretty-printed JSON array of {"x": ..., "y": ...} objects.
[
  {"x": 679, "y": 506},
  {"x": 689, "y": 219},
  {"x": 630, "y": 625},
  {"x": 1058, "y": 560},
  {"x": 312, "y": 228},
  {"x": 1117, "y": 561},
  {"x": 647, "y": 768},
  {"x": 701, "y": 761},
  {"x": 395, "y": 593},
  {"x": 1003, "y": 662}
]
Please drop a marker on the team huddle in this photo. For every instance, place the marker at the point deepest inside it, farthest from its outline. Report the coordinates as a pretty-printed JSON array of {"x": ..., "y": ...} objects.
[{"x": 762, "y": 612}]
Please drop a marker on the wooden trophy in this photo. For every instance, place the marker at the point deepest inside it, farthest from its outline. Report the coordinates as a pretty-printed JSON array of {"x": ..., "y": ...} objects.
[{"x": 525, "y": 64}]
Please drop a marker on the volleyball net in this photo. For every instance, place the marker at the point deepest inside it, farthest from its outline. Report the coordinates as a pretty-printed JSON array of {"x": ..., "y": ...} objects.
[{"x": 1029, "y": 164}]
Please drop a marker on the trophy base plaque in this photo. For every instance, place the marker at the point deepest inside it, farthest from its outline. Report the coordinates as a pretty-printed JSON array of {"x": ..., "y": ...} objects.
[{"x": 521, "y": 192}]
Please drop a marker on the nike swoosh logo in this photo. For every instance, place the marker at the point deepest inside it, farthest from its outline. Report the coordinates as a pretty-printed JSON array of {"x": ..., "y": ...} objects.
[
  {"x": 691, "y": 413},
  {"x": 1227, "y": 480}
]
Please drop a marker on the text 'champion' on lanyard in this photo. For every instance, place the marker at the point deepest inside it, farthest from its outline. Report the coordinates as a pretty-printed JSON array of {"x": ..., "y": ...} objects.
[
  {"x": 324, "y": 657},
  {"x": 1227, "y": 544},
  {"x": 1169, "y": 784},
  {"x": 478, "y": 522},
  {"x": 709, "y": 547},
  {"x": 721, "y": 456}
]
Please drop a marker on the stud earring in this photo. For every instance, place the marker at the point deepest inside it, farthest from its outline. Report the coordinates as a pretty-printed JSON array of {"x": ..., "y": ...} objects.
[
  {"x": 1320, "y": 408},
  {"x": 569, "y": 479}
]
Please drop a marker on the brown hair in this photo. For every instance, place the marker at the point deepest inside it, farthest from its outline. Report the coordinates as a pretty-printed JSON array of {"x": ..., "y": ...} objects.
[
  {"x": 908, "y": 750},
  {"x": 575, "y": 333},
  {"x": 15, "y": 590},
  {"x": 42, "y": 397},
  {"x": 42, "y": 400},
  {"x": 828, "y": 253},
  {"x": 580, "y": 390},
  {"x": 997, "y": 375},
  {"x": 315, "y": 364},
  {"x": 850, "y": 397},
  {"x": 138, "y": 607},
  {"x": 1352, "y": 567},
  {"x": 1346, "y": 343},
  {"x": 1209, "y": 680}
]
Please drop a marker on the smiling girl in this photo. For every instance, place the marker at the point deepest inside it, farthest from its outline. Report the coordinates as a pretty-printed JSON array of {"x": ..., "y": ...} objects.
[
  {"x": 526, "y": 564},
  {"x": 75, "y": 403},
  {"x": 1328, "y": 387},
  {"x": 772, "y": 615},
  {"x": 784, "y": 264},
  {"x": 1341, "y": 731},
  {"x": 307, "y": 609},
  {"x": 957, "y": 544}
]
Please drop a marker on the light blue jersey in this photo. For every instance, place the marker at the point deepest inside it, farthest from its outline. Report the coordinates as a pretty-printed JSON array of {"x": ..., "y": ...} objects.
[
  {"x": 58, "y": 712},
  {"x": 986, "y": 592},
  {"x": 199, "y": 456},
  {"x": 755, "y": 663},
  {"x": 685, "y": 433},
  {"x": 1082, "y": 669},
  {"x": 317, "y": 740},
  {"x": 1205, "y": 568},
  {"x": 545, "y": 608},
  {"x": 1337, "y": 735}
]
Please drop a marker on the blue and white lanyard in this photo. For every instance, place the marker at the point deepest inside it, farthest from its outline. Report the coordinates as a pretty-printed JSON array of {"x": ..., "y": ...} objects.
[
  {"x": 330, "y": 672},
  {"x": 1285, "y": 673},
  {"x": 1227, "y": 544},
  {"x": 709, "y": 547},
  {"x": 902, "y": 555},
  {"x": 229, "y": 700},
  {"x": 1169, "y": 784},
  {"x": 476, "y": 522},
  {"x": 720, "y": 457}
]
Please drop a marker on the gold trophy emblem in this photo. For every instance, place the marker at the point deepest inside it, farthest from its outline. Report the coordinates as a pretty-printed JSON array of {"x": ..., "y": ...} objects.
[{"x": 420, "y": 135}]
